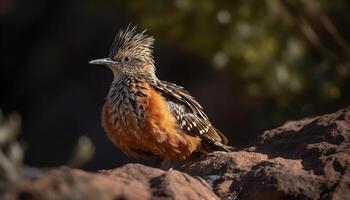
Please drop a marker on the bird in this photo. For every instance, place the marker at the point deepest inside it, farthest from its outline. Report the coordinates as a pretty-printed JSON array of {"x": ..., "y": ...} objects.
[{"x": 145, "y": 116}]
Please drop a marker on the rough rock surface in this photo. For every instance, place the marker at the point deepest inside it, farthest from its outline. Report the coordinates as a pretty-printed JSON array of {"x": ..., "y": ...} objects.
[
  {"x": 132, "y": 181},
  {"x": 305, "y": 159}
]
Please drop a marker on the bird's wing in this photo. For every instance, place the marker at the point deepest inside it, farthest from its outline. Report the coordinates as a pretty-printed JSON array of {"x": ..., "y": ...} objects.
[{"x": 189, "y": 113}]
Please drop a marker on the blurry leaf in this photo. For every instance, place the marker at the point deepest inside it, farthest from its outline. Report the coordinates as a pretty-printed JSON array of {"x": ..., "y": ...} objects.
[
  {"x": 9, "y": 127},
  {"x": 15, "y": 153},
  {"x": 11, "y": 161},
  {"x": 83, "y": 152}
]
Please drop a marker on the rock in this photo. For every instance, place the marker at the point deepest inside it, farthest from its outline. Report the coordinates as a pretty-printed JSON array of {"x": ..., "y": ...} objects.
[
  {"x": 132, "y": 181},
  {"x": 305, "y": 159}
]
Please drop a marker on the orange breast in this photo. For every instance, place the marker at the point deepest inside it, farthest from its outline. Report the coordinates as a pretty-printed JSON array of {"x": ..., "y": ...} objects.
[{"x": 158, "y": 135}]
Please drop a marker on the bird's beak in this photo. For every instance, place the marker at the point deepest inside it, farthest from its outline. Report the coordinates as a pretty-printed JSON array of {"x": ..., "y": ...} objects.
[{"x": 102, "y": 61}]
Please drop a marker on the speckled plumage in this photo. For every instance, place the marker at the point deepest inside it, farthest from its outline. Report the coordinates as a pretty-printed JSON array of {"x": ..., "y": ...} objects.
[{"x": 145, "y": 116}]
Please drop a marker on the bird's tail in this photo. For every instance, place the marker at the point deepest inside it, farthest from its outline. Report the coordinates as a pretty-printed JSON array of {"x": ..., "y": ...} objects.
[
  {"x": 223, "y": 144},
  {"x": 224, "y": 147}
]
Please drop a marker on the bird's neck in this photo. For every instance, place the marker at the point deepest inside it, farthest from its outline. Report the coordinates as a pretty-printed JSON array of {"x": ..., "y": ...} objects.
[
  {"x": 123, "y": 84},
  {"x": 125, "y": 96},
  {"x": 119, "y": 89}
]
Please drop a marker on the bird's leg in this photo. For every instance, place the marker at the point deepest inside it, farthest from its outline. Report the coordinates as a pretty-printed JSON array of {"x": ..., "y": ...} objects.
[{"x": 166, "y": 165}]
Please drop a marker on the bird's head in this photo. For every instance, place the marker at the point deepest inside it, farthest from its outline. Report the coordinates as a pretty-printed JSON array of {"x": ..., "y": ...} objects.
[{"x": 130, "y": 54}]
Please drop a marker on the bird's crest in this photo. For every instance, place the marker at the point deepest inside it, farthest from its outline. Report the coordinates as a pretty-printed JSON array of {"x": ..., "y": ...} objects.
[{"x": 128, "y": 40}]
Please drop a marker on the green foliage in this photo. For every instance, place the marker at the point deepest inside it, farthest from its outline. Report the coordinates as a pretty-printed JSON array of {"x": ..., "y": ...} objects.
[{"x": 276, "y": 49}]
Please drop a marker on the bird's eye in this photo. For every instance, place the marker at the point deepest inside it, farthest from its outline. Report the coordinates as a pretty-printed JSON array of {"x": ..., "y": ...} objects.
[{"x": 127, "y": 59}]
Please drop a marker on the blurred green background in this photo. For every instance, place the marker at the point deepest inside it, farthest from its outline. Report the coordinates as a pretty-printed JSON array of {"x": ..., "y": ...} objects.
[{"x": 252, "y": 64}]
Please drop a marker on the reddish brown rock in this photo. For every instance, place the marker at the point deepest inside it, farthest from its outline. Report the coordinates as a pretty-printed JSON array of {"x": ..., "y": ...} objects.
[
  {"x": 305, "y": 159},
  {"x": 132, "y": 181}
]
